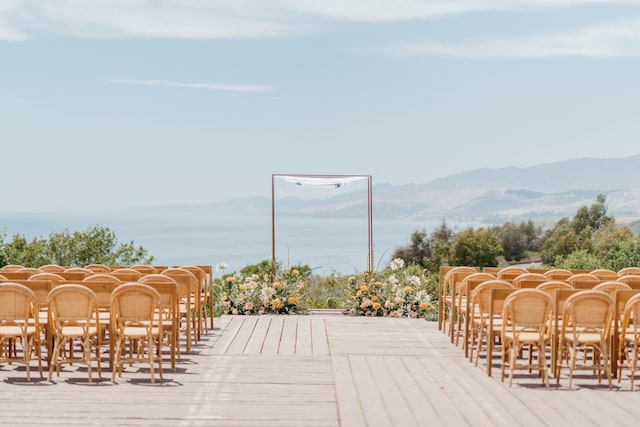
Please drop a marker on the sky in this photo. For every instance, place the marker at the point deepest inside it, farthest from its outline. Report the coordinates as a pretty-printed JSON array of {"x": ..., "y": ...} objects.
[{"x": 109, "y": 104}]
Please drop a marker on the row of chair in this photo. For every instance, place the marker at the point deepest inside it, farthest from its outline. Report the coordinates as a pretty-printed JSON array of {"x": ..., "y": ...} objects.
[
  {"x": 61, "y": 274},
  {"x": 485, "y": 317},
  {"x": 138, "y": 319}
]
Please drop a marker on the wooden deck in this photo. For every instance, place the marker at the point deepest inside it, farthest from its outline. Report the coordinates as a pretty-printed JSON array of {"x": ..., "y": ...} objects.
[{"x": 317, "y": 370}]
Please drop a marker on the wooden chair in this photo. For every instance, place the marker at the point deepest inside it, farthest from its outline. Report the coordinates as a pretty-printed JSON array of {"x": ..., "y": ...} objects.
[
  {"x": 610, "y": 287},
  {"x": 145, "y": 269},
  {"x": 529, "y": 280},
  {"x": 167, "y": 287},
  {"x": 10, "y": 267},
  {"x": 510, "y": 273},
  {"x": 16, "y": 275},
  {"x": 629, "y": 271},
  {"x": 41, "y": 285},
  {"x": 583, "y": 281},
  {"x": 201, "y": 297},
  {"x": 187, "y": 288},
  {"x": 605, "y": 274},
  {"x": 74, "y": 316},
  {"x": 126, "y": 274},
  {"x": 18, "y": 325},
  {"x": 134, "y": 323},
  {"x": 103, "y": 286},
  {"x": 558, "y": 274},
  {"x": 453, "y": 285},
  {"x": 483, "y": 317},
  {"x": 443, "y": 297},
  {"x": 526, "y": 321},
  {"x": 631, "y": 280},
  {"x": 586, "y": 324},
  {"x": 54, "y": 278},
  {"x": 81, "y": 270},
  {"x": 463, "y": 306},
  {"x": 98, "y": 268},
  {"x": 629, "y": 338},
  {"x": 620, "y": 300},
  {"x": 29, "y": 270},
  {"x": 52, "y": 268},
  {"x": 551, "y": 285},
  {"x": 208, "y": 270}
]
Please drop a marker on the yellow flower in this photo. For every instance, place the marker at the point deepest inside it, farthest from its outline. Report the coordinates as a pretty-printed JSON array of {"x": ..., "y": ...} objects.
[
  {"x": 242, "y": 287},
  {"x": 376, "y": 306},
  {"x": 378, "y": 284},
  {"x": 423, "y": 306},
  {"x": 296, "y": 273},
  {"x": 277, "y": 285},
  {"x": 374, "y": 298},
  {"x": 293, "y": 301},
  {"x": 363, "y": 288},
  {"x": 359, "y": 294},
  {"x": 277, "y": 303},
  {"x": 224, "y": 298},
  {"x": 351, "y": 279},
  {"x": 230, "y": 279},
  {"x": 408, "y": 289}
]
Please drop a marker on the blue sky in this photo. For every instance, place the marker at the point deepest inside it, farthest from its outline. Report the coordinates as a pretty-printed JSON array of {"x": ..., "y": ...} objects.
[{"x": 119, "y": 103}]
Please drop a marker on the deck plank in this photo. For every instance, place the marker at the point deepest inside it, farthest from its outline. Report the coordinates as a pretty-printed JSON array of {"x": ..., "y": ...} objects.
[{"x": 315, "y": 371}]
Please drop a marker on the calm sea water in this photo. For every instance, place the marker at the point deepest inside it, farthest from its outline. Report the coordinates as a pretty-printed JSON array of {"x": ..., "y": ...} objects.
[{"x": 326, "y": 245}]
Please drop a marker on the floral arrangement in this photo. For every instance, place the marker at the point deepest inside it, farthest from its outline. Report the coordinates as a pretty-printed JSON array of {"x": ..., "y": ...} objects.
[
  {"x": 398, "y": 292},
  {"x": 261, "y": 293}
]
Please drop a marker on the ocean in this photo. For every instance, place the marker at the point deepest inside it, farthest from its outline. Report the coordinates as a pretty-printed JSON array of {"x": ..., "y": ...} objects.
[{"x": 325, "y": 244}]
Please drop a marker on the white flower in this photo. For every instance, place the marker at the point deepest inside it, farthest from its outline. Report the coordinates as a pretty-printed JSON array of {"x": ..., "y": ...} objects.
[
  {"x": 414, "y": 280},
  {"x": 397, "y": 264},
  {"x": 221, "y": 267}
]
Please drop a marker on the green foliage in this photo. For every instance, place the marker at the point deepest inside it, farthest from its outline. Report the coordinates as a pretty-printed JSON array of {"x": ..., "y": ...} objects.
[
  {"x": 95, "y": 245},
  {"x": 580, "y": 259},
  {"x": 325, "y": 292},
  {"x": 479, "y": 248},
  {"x": 266, "y": 266},
  {"x": 430, "y": 251}
]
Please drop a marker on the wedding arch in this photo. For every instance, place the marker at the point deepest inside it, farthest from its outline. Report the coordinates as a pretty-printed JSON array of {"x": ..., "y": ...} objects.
[{"x": 326, "y": 181}]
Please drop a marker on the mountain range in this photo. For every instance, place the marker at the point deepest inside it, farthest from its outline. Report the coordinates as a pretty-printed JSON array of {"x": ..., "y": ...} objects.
[{"x": 541, "y": 193}]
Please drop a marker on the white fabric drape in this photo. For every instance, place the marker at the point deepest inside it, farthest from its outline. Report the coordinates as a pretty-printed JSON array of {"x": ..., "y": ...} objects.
[{"x": 321, "y": 181}]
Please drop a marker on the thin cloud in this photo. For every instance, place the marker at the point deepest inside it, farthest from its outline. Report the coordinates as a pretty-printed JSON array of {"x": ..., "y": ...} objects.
[
  {"x": 207, "y": 86},
  {"x": 621, "y": 39},
  {"x": 232, "y": 19}
]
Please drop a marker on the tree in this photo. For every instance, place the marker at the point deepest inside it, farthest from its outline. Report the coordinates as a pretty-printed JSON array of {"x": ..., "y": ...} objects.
[
  {"x": 478, "y": 248},
  {"x": 429, "y": 252},
  {"x": 96, "y": 245},
  {"x": 513, "y": 240}
]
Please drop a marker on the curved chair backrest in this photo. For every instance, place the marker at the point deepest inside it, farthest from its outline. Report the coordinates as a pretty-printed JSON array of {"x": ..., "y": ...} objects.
[
  {"x": 134, "y": 302},
  {"x": 72, "y": 303},
  {"x": 551, "y": 285},
  {"x": 53, "y": 277},
  {"x": 29, "y": 270},
  {"x": 631, "y": 280},
  {"x": 98, "y": 268},
  {"x": 11, "y": 267},
  {"x": 605, "y": 274},
  {"x": 588, "y": 309},
  {"x": 611, "y": 287},
  {"x": 16, "y": 301},
  {"x": 558, "y": 274},
  {"x": 529, "y": 308},
  {"x": 126, "y": 274},
  {"x": 529, "y": 280},
  {"x": 482, "y": 294},
  {"x": 102, "y": 277},
  {"x": 629, "y": 271},
  {"x": 144, "y": 269},
  {"x": 583, "y": 281},
  {"x": 510, "y": 273},
  {"x": 52, "y": 268}
]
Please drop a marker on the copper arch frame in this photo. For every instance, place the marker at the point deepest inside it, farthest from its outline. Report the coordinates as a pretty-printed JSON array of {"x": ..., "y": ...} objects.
[{"x": 369, "y": 212}]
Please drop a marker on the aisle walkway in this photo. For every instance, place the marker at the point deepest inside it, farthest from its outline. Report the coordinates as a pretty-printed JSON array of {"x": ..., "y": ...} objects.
[{"x": 314, "y": 371}]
